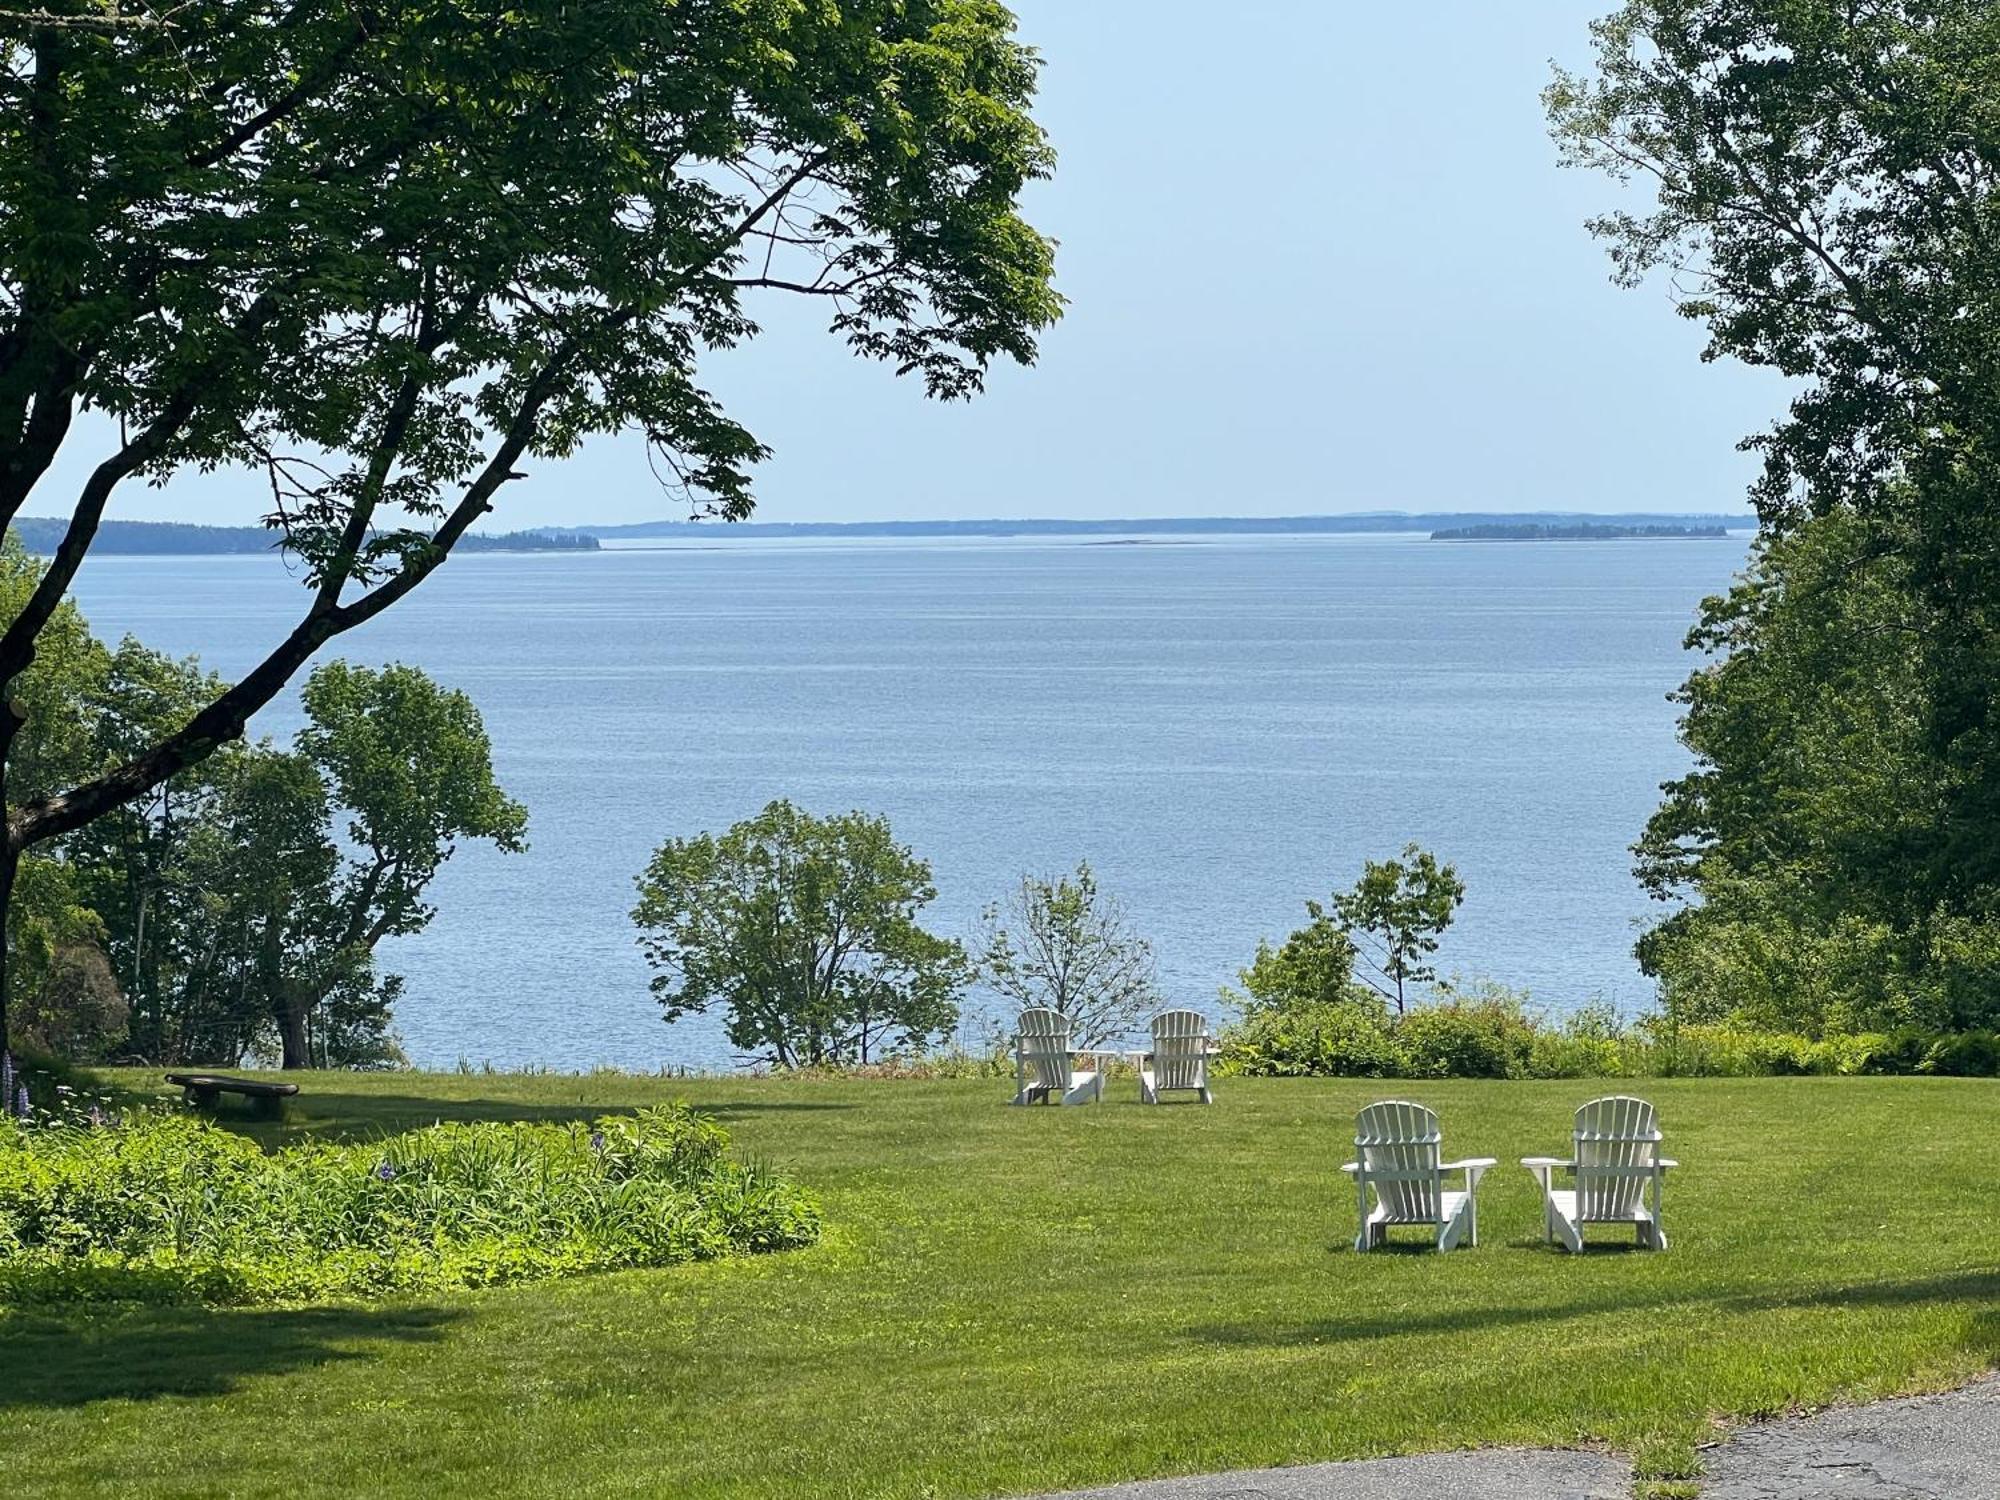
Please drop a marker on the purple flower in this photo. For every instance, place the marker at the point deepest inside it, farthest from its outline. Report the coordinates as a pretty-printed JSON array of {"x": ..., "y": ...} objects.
[
  {"x": 96, "y": 1115},
  {"x": 386, "y": 1172},
  {"x": 597, "y": 1140},
  {"x": 22, "y": 1107}
]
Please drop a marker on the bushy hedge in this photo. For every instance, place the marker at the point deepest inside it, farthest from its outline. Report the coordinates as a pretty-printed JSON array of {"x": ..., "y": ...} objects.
[
  {"x": 1496, "y": 1037},
  {"x": 162, "y": 1207}
]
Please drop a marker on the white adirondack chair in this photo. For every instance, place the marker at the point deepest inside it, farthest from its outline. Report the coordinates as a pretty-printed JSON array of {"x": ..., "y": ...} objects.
[
  {"x": 1179, "y": 1059},
  {"x": 1044, "y": 1067},
  {"x": 1400, "y": 1152},
  {"x": 1617, "y": 1167}
]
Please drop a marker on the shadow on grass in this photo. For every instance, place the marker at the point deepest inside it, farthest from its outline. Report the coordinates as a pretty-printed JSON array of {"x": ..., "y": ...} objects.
[
  {"x": 140, "y": 1353},
  {"x": 1428, "y": 1246},
  {"x": 1966, "y": 1286},
  {"x": 349, "y": 1116}
]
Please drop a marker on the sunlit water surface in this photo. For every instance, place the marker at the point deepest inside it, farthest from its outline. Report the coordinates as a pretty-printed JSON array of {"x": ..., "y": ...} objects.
[{"x": 1223, "y": 728}]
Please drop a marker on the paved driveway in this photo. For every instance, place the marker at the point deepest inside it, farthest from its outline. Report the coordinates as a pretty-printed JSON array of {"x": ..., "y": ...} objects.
[{"x": 1922, "y": 1448}]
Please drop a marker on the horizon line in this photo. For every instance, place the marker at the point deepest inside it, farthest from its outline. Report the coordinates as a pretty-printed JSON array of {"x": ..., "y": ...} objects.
[{"x": 1746, "y": 516}]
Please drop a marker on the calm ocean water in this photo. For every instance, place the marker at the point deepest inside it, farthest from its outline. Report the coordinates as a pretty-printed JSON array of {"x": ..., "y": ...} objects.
[{"x": 1222, "y": 727}]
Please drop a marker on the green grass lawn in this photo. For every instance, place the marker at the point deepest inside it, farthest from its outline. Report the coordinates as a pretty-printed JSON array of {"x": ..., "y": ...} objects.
[{"x": 1012, "y": 1300}]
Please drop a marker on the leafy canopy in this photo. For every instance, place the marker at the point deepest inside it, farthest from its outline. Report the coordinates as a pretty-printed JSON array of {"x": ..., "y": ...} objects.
[
  {"x": 1826, "y": 203},
  {"x": 1824, "y": 192},
  {"x": 806, "y": 928},
  {"x": 355, "y": 245},
  {"x": 388, "y": 252},
  {"x": 1808, "y": 844},
  {"x": 243, "y": 898}
]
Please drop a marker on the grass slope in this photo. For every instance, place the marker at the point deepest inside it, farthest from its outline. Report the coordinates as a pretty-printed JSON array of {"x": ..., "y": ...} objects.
[{"x": 1011, "y": 1300}]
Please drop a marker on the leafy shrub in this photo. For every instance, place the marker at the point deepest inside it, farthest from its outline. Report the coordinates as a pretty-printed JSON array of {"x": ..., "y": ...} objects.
[
  {"x": 1489, "y": 1040},
  {"x": 1902, "y": 1051},
  {"x": 1727, "y": 1052},
  {"x": 1776, "y": 1054},
  {"x": 1483, "y": 1030},
  {"x": 1314, "y": 966},
  {"x": 1969, "y": 1054},
  {"x": 1563, "y": 1054},
  {"x": 164, "y": 1207},
  {"x": 1321, "y": 1040},
  {"x": 1736, "y": 1052},
  {"x": 1847, "y": 1055}
]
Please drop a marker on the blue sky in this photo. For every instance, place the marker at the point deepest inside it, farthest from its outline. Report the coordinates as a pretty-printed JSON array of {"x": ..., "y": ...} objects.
[{"x": 1320, "y": 258}]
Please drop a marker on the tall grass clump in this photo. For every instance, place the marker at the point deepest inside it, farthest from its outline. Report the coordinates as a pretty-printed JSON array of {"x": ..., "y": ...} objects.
[{"x": 162, "y": 1207}]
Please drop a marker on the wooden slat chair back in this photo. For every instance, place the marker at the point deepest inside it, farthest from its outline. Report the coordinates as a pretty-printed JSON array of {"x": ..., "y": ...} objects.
[
  {"x": 1619, "y": 1174},
  {"x": 1399, "y": 1154},
  {"x": 1179, "y": 1059},
  {"x": 1401, "y": 1151},
  {"x": 1617, "y": 1142},
  {"x": 1044, "y": 1067}
]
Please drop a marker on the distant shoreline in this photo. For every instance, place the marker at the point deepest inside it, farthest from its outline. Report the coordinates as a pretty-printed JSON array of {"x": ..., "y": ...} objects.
[
  {"x": 42, "y": 534},
  {"x": 1359, "y": 523}
]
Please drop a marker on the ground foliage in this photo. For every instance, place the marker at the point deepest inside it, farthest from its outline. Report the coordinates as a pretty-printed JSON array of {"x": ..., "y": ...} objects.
[{"x": 161, "y": 1207}]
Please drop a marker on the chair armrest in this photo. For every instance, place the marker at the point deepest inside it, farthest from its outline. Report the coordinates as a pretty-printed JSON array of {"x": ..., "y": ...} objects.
[
  {"x": 1668, "y": 1161},
  {"x": 1474, "y": 1167},
  {"x": 1350, "y": 1167},
  {"x": 1533, "y": 1163}
]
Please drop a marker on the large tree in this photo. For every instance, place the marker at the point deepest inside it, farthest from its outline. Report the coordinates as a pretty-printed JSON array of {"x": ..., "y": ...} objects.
[
  {"x": 244, "y": 898},
  {"x": 1804, "y": 841},
  {"x": 1824, "y": 183},
  {"x": 1824, "y": 193},
  {"x": 386, "y": 253}
]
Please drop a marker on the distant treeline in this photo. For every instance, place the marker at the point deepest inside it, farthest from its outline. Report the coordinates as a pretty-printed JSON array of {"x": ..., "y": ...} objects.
[
  {"x": 1584, "y": 532},
  {"x": 1370, "y": 521},
  {"x": 527, "y": 541},
  {"x": 42, "y": 534}
]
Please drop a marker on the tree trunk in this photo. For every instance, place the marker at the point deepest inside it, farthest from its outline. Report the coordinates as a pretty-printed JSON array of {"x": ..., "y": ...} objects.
[
  {"x": 292, "y": 1031},
  {"x": 10, "y": 860}
]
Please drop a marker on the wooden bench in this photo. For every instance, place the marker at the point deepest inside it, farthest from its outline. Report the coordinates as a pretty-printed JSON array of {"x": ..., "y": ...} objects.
[{"x": 203, "y": 1090}]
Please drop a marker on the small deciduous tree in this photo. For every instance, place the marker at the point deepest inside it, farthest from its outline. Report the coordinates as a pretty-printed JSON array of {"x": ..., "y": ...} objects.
[
  {"x": 1396, "y": 912},
  {"x": 238, "y": 903},
  {"x": 806, "y": 928},
  {"x": 1062, "y": 943}
]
